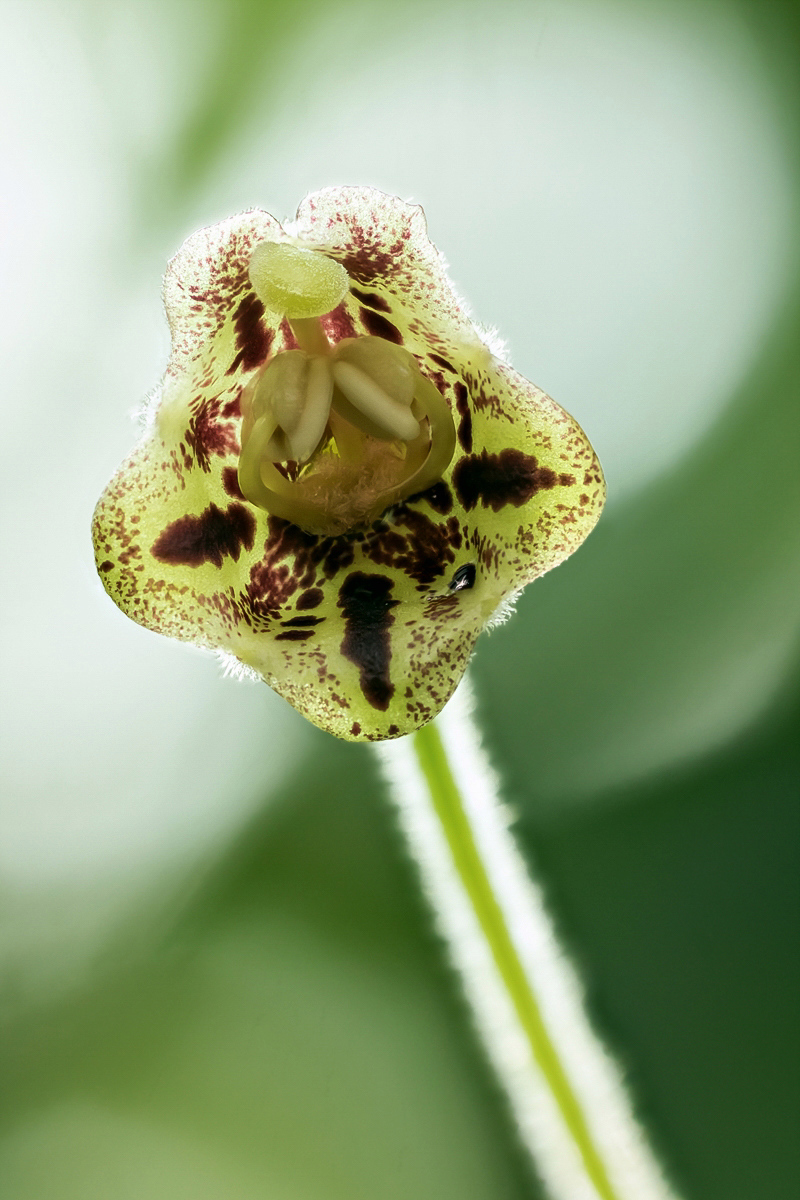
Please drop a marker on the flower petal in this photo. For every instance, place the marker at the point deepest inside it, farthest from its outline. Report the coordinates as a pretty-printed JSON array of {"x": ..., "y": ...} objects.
[{"x": 369, "y": 632}]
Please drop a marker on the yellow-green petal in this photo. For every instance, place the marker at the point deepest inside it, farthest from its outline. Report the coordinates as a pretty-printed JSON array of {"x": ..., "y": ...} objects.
[{"x": 366, "y": 633}]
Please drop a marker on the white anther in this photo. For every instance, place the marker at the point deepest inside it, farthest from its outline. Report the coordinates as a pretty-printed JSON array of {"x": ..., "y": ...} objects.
[
  {"x": 391, "y": 367},
  {"x": 370, "y": 399},
  {"x": 284, "y": 388},
  {"x": 316, "y": 407}
]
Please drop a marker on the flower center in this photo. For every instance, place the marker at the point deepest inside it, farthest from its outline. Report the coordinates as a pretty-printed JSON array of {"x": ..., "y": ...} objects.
[{"x": 332, "y": 436}]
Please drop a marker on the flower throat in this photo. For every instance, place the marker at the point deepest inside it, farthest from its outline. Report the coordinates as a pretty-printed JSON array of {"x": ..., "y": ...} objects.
[{"x": 333, "y": 435}]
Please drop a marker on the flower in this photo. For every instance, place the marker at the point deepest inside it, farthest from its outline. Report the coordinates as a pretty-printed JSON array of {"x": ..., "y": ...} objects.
[{"x": 341, "y": 483}]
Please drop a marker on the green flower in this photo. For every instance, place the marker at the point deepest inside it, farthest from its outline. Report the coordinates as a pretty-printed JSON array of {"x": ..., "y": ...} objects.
[{"x": 341, "y": 483}]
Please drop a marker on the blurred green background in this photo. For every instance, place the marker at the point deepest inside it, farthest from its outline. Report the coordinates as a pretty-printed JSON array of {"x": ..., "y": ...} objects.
[{"x": 218, "y": 977}]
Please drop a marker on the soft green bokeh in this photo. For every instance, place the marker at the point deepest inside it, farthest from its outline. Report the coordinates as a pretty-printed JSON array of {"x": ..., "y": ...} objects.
[{"x": 218, "y": 977}]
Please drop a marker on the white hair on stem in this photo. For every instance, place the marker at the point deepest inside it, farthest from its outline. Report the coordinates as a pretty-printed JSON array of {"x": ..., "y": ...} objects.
[{"x": 565, "y": 1091}]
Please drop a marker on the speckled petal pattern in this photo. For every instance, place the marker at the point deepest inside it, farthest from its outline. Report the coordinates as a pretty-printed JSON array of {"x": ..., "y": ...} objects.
[{"x": 366, "y": 633}]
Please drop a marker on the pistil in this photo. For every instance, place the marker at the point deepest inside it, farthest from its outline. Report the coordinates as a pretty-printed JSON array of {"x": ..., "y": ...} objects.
[{"x": 309, "y": 335}]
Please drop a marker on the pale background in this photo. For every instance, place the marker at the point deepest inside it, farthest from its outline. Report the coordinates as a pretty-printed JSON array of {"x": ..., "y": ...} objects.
[{"x": 217, "y": 978}]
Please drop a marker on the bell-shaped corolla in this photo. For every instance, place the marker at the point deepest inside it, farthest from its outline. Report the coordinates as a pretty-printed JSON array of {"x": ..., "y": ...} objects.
[{"x": 341, "y": 482}]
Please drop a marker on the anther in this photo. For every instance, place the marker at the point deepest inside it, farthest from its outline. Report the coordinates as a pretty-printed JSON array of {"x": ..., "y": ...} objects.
[
  {"x": 307, "y": 433},
  {"x": 392, "y": 416},
  {"x": 368, "y": 428}
]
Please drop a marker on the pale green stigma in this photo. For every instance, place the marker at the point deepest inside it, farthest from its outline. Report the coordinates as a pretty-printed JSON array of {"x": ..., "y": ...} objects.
[{"x": 297, "y": 282}]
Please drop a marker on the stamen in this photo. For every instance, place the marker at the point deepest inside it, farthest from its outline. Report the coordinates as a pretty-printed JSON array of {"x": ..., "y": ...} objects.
[
  {"x": 370, "y": 399},
  {"x": 316, "y": 405},
  {"x": 354, "y": 417},
  {"x": 365, "y": 425},
  {"x": 297, "y": 282},
  {"x": 442, "y": 436},
  {"x": 282, "y": 389},
  {"x": 250, "y": 458},
  {"x": 262, "y": 483},
  {"x": 388, "y": 365}
]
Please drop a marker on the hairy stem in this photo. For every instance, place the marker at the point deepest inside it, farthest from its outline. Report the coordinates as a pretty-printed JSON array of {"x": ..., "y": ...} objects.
[
  {"x": 570, "y": 1106},
  {"x": 449, "y": 808}
]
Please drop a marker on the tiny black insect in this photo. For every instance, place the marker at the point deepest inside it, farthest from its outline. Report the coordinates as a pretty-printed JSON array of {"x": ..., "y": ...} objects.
[{"x": 463, "y": 578}]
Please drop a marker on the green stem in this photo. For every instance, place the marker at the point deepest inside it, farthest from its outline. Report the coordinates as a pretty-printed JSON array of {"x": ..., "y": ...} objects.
[{"x": 448, "y": 805}]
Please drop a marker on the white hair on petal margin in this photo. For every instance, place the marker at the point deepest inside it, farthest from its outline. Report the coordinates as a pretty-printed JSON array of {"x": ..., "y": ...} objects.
[
  {"x": 145, "y": 413},
  {"x": 232, "y": 668},
  {"x": 497, "y": 344},
  {"x": 504, "y": 610}
]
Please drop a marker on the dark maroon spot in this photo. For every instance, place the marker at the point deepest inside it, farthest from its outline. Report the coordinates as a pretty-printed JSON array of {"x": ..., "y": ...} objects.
[
  {"x": 294, "y": 635},
  {"x": 366, "y": 605},
  {"x": 268, "y": 589},
  {"x": 430, "y": 543},
  {"x": 106, "y": 566},
  {"x": 300, "y": 621},
  {"x": 355, "y": 729},
  {"x": 253, "y": 339},
  {"x": 210, "y": 432},
  {"x": 393, "y": 731},
  {"x": 464, "y": 432},
  {"x": 584, "y": 499},
  {"x": 292, "y": 538},
  {"x": 465, "y": 424},
  {"x": 310, "y": 599},
  {"x": 422, "y": 551},
  {"x": 443, "y": 362},
  {"x": 372, "y": 299},
  {"x": 214, "y": 535},
  {"x": 289, "y": 541},
  {"x": 339, "y": 556},
  {"x": 385, "y": 544},
  {"x": 378, "y": 326},
  {"x": 312, "y": 554},
  {"x": 230, "y": 481},
  {"x": 338, "y": 324},
  {"x": 368, "y": 259},
  {"x": 442, "y": 607},
  {"x": 510, "y": 477},
  {"x": 438, "y": 496}
]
